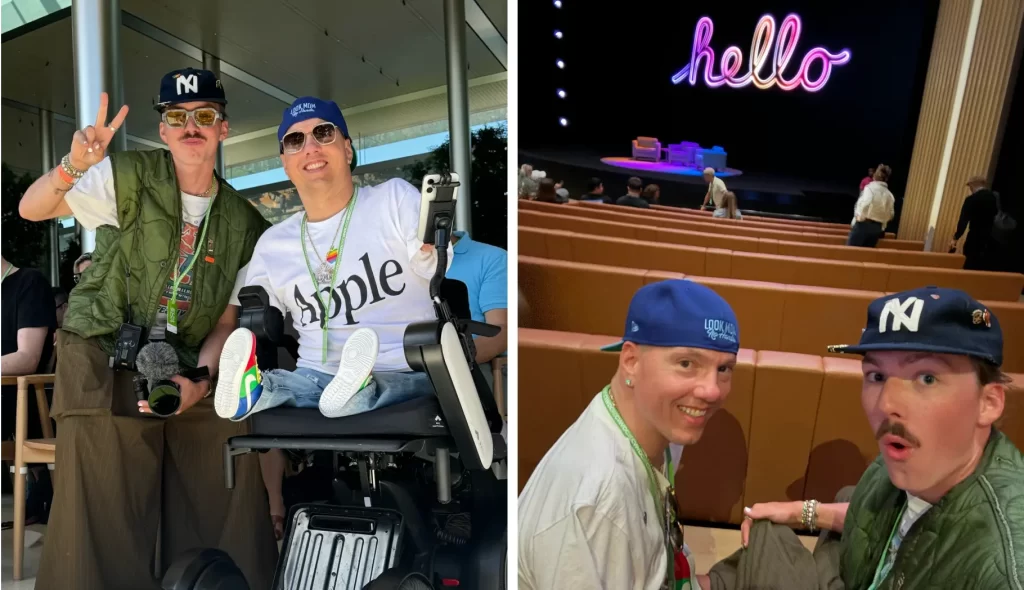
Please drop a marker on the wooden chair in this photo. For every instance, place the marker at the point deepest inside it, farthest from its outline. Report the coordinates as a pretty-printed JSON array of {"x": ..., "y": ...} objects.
[
  {"x": 24, "y": 452},
  {"x": 498, "y": 365}
]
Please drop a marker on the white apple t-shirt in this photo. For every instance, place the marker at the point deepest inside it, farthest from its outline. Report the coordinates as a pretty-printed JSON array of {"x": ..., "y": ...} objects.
[
  {"x": 382, "y": 283},
  {"x": 586, "y": 515},
  {"x": 94, "y": 203}
]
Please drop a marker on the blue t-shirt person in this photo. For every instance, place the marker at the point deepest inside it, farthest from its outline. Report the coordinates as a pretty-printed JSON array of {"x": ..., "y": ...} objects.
[{"x": 484, "y": 270}]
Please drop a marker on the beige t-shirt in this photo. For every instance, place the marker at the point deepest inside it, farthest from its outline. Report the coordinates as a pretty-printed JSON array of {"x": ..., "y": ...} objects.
[
  {"x": 586, "y": 516},
  {"x": 717, "y": 189}
]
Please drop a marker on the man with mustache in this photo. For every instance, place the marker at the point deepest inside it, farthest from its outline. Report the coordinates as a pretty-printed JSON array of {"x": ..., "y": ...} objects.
[
  {"x": 172, "y": 242},
  {"x": 599, "y": 509},
  {"x": 943, "y": 505}
]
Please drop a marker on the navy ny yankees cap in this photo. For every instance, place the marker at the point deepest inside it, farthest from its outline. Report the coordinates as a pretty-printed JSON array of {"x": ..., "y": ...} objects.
[
  {"x": 931, "y": 319},
  {"x": 679, "y": 312},
  {"x": 190, "y": 85}
]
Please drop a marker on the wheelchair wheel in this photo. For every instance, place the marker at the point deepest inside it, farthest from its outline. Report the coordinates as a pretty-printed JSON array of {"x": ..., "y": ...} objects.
[{"x": 204, "y": 569}]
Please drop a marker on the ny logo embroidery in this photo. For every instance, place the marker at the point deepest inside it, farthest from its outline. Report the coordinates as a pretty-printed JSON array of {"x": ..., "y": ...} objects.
[
  {"x": 898, "y": 311},
  {"x": 189, "y": 83}
]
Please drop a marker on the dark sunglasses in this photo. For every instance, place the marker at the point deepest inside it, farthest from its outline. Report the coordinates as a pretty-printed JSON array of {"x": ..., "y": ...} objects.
[
  {"x": 78, "y": 277},
  {"x": 324, "y": 134}
]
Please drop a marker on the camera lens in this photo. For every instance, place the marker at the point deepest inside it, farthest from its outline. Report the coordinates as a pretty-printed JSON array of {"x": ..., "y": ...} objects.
[{"x": 164, "y": 399}]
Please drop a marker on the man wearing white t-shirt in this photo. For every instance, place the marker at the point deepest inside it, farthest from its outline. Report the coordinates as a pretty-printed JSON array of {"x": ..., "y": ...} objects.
[
  {"x": 172, "y": 239},
  {"x": 943, "y": 504},
  {"x": 352, "y": 272},
  {"x": 598, "y": 511}
]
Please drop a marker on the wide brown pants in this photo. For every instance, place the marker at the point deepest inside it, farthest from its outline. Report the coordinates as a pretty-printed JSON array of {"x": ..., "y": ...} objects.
[
  {"x": 119, "y": 478},
  {"x": 776, "y": 560}
]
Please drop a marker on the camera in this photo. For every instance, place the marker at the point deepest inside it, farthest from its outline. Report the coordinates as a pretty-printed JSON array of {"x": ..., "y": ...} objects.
[{"x": 164, "y": 396}]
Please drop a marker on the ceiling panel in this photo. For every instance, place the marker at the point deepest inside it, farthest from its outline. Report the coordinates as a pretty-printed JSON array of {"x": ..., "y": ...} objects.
[{"x": 497, "y": 11}]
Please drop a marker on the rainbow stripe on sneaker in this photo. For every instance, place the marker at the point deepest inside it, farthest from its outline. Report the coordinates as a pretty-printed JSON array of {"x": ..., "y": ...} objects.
[{"x": 251, "y": 386}]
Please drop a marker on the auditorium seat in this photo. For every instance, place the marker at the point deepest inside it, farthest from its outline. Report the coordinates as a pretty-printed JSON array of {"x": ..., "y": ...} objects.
[
  {"x": 596, "y": 227},
  {"x": 796, "y": 270},
  {"x": 787, "y": 388},
  {"x": 710, "y": 227},
  {"x": 761, "y": 218},
  {"x": 591, "y": 298}
]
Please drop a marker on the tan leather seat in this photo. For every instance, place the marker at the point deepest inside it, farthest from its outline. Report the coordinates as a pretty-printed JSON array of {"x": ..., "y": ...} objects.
[
  {"x": 816, "y": 317},
  {"x": 843, "y": 444},
  {"x": 786, "y": 391},
  {"x": 562, "y": 219},
  {"x": 998, "y": 286},
  {"x": 1012, "y": 422}
]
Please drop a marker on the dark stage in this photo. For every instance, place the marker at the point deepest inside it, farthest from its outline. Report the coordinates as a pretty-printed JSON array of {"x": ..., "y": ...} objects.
[{"x": 756, "y": 192}]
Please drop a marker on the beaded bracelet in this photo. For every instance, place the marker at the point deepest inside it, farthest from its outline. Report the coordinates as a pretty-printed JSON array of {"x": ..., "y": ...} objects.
[
  {"x": 809, "y": 515},
  {"x": 65, "y": 165}
]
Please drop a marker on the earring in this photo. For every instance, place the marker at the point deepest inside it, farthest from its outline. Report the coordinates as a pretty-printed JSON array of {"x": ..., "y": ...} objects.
[{"x": 629, "y": 382}]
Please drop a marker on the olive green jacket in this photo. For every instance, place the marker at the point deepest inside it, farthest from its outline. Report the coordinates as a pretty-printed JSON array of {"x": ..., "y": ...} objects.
[
  {"x": 133, "y": 262},
  {"x": 973, "y": 538}
]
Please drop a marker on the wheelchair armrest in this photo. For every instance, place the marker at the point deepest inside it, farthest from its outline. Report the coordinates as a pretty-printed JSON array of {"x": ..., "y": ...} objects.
[{"x": 479, "y": 328}]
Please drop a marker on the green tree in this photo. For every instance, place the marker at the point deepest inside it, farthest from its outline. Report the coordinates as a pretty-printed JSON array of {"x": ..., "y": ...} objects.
[
  {"x": 488, "y": 186},
  {"x": 24, "y": 243}
]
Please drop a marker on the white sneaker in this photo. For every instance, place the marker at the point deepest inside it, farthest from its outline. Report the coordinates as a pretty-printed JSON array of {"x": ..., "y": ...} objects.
[
  {"x": 240, "y": 384},
  {"x": 357, "y": 360}
]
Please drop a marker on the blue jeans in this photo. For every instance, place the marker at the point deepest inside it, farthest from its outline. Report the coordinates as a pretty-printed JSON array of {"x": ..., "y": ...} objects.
[{"x": 302, "y": 389}]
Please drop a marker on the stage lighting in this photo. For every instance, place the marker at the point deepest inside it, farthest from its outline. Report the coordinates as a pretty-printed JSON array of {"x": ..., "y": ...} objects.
[
  {"x": 563, "y": 122},
  {"x": 558, "y": 3},
  {"x": 558, "y": 34},
  {"x": 560, "y": 64},
  {"x": 561, "y": 93}
]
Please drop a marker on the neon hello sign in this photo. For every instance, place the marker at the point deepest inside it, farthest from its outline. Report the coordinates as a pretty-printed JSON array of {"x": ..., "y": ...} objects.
[{"x": 764, "y": 34}]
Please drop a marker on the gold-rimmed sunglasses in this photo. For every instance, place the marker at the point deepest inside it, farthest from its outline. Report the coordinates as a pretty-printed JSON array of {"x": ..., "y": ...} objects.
[
  {"x": 323, "y": 134},
  {"x": 202, "y": 116}
]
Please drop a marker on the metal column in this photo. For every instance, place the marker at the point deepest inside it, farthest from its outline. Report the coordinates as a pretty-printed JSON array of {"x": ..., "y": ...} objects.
[
  {"x": 46, "y": 156},
  {"x": 212, "y": 63},
  {"x": 96, "y": 33},
  {"x": 458, "y": 108}
]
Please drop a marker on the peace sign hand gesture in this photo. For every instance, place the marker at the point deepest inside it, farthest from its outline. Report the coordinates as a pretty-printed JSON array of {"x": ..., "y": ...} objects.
[{"x": 89, "y": 145}]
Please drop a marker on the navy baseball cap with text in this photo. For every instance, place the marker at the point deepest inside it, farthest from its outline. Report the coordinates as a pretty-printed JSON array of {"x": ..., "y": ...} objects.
[
  {"x": 680, "y": 313},
  {"x": 310, "y": 107},
  {"x": 930, "y": 319},
  {"x": 190, "y": 85}
]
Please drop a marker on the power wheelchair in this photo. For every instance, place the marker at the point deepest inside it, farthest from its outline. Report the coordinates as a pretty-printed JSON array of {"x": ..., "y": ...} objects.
[{"x": 419, "y": 487}]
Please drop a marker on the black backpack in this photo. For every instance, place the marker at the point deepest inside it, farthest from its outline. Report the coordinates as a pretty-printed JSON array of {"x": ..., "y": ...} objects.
[{"x": 1003, "y": 225}]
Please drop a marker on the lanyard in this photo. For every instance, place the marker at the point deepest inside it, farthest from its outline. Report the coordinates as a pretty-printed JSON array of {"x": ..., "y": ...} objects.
[
  {"x": 325, "y": 306},
  {"x": 172, "y": 302},
  {"x": 7, "y": 272},
  {"x": 609, "y": 403},
  {"x": 883, "y": 570}
]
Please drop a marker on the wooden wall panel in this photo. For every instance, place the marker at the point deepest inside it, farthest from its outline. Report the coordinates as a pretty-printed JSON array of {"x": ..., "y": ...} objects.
[
  {"x": 989, "y": 82},
  {"x": 933, "y": 121}
]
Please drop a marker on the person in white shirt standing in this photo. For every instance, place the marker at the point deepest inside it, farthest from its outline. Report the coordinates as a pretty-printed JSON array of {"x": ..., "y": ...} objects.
[
  {"x": 352, "y": 272},
  {"x": 599, "y": 510},
  {"x": 874, "y": 210}
]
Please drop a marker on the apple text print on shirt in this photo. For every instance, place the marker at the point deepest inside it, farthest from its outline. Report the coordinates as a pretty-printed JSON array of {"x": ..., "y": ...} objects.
[{"x": 358, "y": 290}]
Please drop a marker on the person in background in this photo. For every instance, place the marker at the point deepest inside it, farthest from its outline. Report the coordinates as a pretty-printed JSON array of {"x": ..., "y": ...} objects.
[
  {"x": 874, "y": 210},
  {"x": 527, "y": 185},
  {"x": 28, "y": 328},
  {"x": 632, "y": 197},
  {"x": 81, "y": 263},
  {"x": 595, "y": 511},
  {"x": 595, "y": 192},
  {"x": 60, "y": 301},
  {"x": 729, "y": 207},
  {"x": 977, "y": 213},
  {"x": 546, "y": 191},
  {"x": 562, "y": 194},
  {"x": 652, "y": 194},
  {"x": 867, "y": 179},
  {"x": 716, "y": 188}
]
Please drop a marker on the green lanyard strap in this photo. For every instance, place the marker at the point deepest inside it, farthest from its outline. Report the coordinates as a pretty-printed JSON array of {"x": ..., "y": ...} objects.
[
  {"x": 325, "y": 305},
  {"x": 7, "y": 272},
  {"x": 172, "y": 302},
  {"x": 881, "y": 571},
  {"x": 652, "y": 481}
]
